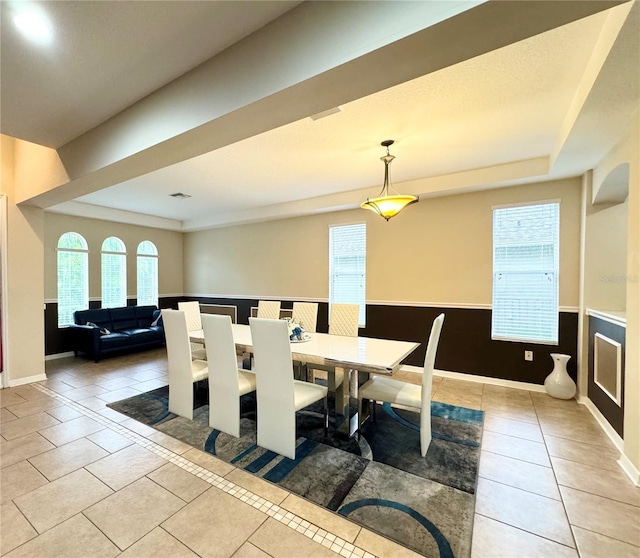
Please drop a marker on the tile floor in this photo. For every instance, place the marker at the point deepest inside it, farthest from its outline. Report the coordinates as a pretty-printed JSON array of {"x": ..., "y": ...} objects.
[{"x": 80, "y": 480}]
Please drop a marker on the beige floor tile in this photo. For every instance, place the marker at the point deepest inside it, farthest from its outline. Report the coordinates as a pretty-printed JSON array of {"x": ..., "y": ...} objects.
[
  {"x": 381, "y": 547},
  {"x": 258, "y": 486},
  {"x": 65, "y": 459},
  {"x": 27, "y": 425},
  {"x": 112, "y": 415},
  {"x": 533, "y": 513},
  {"x": 462, "y": 386},
  {"x": 14, "y": 527},
  {"x": 170, "y": 443},
  {"x": 152, "y": 384},
  {"x": 75, "y": 538},
  {"x": 510, "y": 412},
  {"x": 493, "y": 539},
  {"x": 71, "y": 430},
  {"x": 518, "y": 448},
  {"x": 520, "y": 474},
  {"x": 63, "y": 413},
  {"x": 119, "y": 394},
  {"x": 129, "y": 514},
  {"x": 602, "y": 515},
  {"x": 541, "y": 399},
  {"x": 450, "y": 397},
  {"x": 77, "y": 381},
  {"x": 138, "y": 427},
  {"x": 588, "y": 432},
  {"x": 9, "y": 397},
  {"x": 57, "y": 385},
  {"x": 19, "y": 479},
  {"x": 22, "y": 448},
  {"x": 110, "y": 440},
  {"x": 113, "y": 384},
  {"x": 321, "y": 517},
  {"x": 6, "y": 415},
  {"x": 594, "y": 545},
  {"x": 247, "y": 550},
  {"x": 84, "y": 392},
  {"x": 506, "y": 394},
  {"x": 34, "y": 407},
  {"x": 93, "y": 403},
  {"x": 214, "y": 524},
  {"x": 145, "y": 375},
  {"x": 605, "y": 458},
  {"x": 158, "y": 544},
  {"x": 515, "y": 428},
  {"x": 280, "y": 541},
  {"x": 125, "y": 466},
  {"x": 208, "y": 461},
  {"x": 61, "y": 499},
  {"x": 615, "y": 485},
  {"x": 178, "y": 481}
]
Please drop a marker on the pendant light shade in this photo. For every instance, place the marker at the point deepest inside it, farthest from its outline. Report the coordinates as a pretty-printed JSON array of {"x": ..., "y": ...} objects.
[{"x": 388, "y": 205}]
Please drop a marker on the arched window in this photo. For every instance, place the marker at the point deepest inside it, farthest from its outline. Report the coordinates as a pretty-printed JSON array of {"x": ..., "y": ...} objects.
[
  {"x": 147, "y": 273},
  {"x": 73, "y": 276},
  {"x": 114, "y": 273}
]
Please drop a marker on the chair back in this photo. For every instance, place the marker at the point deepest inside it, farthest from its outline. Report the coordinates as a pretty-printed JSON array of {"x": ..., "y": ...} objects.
[
  {"x": 192, "y": 314},
  {"x": 343, "y": 319},
  {"x": 427, "y": 380},
  {"x": 179, "y": 360},
  {"x": 274, "y": 383},
  {"x": 306, "y": 314},
  {"x": 269, "y": 309},
  {"x": 224, "y": 393}
]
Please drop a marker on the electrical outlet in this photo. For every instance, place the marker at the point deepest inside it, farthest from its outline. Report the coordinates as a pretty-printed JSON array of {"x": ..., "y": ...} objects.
[{"x": 528, "y": 356}]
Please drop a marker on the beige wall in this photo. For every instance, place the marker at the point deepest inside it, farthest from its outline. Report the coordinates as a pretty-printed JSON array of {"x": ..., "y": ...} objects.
[
  {"x": 24, "y": 325},
  {"x": 169, "y": 244},
  {"x": 438, "y": 251},
  {"x": 605, "y": 287}
]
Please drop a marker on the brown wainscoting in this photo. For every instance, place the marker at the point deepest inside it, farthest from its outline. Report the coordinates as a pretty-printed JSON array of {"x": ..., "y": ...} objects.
[{"x": 609, "y": 408}]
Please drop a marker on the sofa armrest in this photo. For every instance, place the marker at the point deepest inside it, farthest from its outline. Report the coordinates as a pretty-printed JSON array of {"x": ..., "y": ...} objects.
[{"x": 85, "y": 339}]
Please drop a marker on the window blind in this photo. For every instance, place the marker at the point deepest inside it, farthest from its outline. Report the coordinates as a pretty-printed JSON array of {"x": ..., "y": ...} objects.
[
  {"x": 525, "y": 273},
  {"x": 114, "y": 273},
  {"x": 347, "y": 266},
  {"x": 147, "y": 274},
  {"x": 73, "y": 277}
]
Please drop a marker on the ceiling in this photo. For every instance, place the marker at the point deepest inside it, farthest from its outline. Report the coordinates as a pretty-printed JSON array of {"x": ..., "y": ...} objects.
[{"x": 547, "y": 107}]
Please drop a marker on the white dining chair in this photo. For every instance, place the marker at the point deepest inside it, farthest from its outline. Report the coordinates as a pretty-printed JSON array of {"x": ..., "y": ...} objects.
[
  {"x": 226, "y": 381},
  {"x": 388, "y": 390},
  {"x": 183, "y": 371},
  {"x": 279, "y": 396},
  {"x": 306, "y": 315},
  {"x": 191, "y": 311},
  {"x": 269, "y": 309}
]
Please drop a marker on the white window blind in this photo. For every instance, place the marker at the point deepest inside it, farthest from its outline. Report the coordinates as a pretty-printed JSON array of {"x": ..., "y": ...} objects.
[
  {"x": 525, "y": 273},
  {"x": 147, "y": 276},
  {"x": 347, "y": 266},
  {"x": 114, "y": 273},
  {"x": 73, "y": 276}
]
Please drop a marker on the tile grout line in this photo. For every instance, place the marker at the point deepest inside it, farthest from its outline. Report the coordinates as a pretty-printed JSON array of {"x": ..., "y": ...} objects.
[{"x": 327, "y": 539}]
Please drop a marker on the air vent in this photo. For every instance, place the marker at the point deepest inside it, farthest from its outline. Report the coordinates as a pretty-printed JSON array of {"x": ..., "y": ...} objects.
[
  {"x": 180, "y": 196},
  {"x": 334, "y": 110}
]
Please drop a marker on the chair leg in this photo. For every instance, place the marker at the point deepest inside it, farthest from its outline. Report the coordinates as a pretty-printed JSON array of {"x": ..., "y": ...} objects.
[
  {"x": 326, "y": 417},
  {"x": 359, "y": 417},
  {"x": 373, "y": 409}
]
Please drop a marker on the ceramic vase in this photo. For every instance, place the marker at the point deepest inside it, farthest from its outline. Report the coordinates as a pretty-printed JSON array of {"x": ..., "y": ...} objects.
[{"x": 559, "y": 384}]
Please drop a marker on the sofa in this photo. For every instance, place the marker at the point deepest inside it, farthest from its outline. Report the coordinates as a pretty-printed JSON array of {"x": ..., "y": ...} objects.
[{"x": 104, "y": 331}]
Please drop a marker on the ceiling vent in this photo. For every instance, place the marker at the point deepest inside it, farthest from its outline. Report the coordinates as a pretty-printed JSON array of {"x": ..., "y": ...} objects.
[
  {"x": 324, "y": 114},
  {"x": 180, "y": 196}
]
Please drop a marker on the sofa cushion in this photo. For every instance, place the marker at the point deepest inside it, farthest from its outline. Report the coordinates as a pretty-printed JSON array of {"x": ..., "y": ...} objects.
[
  {"x": 115, "y": 340},
  {"x": 98, "y": 316},
  {"x": 123, "y": 318},
  {"x": 144, "y": 314},
  {"x": 141, "y": 335}
]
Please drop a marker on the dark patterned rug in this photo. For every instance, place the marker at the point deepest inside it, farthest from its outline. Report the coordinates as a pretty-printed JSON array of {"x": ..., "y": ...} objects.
[{"x": 381, "y": 482}]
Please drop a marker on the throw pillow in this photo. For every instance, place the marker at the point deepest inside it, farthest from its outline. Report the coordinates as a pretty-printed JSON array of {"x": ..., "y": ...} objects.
[
  {"x": 157, "y": 318},
  {"x": 103, "y": 330}
]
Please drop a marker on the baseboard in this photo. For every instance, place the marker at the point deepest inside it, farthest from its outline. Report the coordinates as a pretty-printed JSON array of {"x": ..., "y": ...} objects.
[
  {"x": 629, "y": 468},
  {"x": 56, "y": 356},
  {"x": 478, "y": 379},
  {"x": 603, "y": 422},
  {"x": 27, "y": 380}
]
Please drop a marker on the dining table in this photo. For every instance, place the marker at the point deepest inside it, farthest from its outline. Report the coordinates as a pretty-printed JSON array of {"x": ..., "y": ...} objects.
[{"x": 354, "y": 355}]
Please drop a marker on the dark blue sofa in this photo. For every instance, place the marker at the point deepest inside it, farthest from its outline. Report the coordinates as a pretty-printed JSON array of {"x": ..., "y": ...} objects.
[{"x": 105, "y": 331}]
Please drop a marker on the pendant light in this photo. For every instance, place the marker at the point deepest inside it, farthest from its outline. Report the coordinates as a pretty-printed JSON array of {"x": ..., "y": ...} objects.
[{"x": 388, "y": 205}]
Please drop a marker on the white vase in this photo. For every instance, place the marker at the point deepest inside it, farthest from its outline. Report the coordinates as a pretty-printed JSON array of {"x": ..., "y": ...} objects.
[{"x": 559, "y": 384}]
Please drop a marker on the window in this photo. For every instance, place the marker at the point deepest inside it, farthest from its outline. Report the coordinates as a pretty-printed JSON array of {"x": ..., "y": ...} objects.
[
  {"x": 348, "y": 266},
  {"x": 114, "y": 273},
  {"x": 73, "y": 276},
  {"x": 147, "y": 273},
  {"x": 525, "y": 273}
]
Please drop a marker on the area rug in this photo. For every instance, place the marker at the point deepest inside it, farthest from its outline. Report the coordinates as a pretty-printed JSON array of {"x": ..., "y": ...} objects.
[{"x": 380, "y": 482}]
